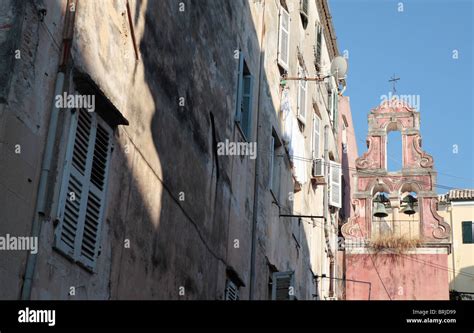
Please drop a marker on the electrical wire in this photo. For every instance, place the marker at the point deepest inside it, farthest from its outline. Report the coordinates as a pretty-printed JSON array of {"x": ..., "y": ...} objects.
[
  {"x": 398, "y": 162},
  {"x": 365, "y": 172},
  {"x": 367, "y": 243},
  {"x": 178, "y": 203}
]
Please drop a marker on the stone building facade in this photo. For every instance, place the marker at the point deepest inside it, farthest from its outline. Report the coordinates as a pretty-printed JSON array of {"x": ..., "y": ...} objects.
[{"x": 152, "y": 147}]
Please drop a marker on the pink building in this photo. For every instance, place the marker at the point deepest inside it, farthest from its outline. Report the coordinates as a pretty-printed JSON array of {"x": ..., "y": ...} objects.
[
  {"x": 347, "y": 149},
  {"x": 396, "y": 244}
]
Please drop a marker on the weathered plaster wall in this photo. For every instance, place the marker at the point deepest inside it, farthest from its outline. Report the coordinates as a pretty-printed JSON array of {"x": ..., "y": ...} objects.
[
  {"x": 10, "y": 30},
  {"x": 167, "y": 150},
  {"x": 180, "y": 206},
  {"x": 397, "y": 276},
  {"x": 29, "y": 83}
]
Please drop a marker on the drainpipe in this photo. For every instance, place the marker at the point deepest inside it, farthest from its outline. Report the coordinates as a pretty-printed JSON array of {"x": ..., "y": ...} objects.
[
  {"x": 46, "y": 164},
  {"x": 326, "y": 211},
  {"x": 453, "y": 259},
  {"x": 253, "y": 251}
]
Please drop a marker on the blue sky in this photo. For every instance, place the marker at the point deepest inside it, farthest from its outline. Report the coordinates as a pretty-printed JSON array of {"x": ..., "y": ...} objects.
[{"x": 417, "y": 45}]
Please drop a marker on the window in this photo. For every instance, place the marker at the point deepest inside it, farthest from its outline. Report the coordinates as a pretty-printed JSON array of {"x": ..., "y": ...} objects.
[
  {"x": 344, "y": 138},
  {"x": 342, "y": 213},
  {"x": 284, "y": 38},
  {"x": 302, "y": 88},
  {"x": 231, "y": 291},
  {"x": 304, "y": 12},
  {"x": 83, "y": 188},
  {"x": 318, "y": 47},
  {"x": 283, "y": 286},
  {"x": 316, "y": 135},
  {"x": 335, "y": 198},
  {"x": 275, "y": 146},
  {"x": 467, "y": 232},
  {"x": 333, "y": 106},
  {"x": 244, "y": 98}
]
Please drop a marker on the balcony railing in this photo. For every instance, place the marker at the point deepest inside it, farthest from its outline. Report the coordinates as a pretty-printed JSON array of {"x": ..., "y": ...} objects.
[{"x": 409, "y": 229}]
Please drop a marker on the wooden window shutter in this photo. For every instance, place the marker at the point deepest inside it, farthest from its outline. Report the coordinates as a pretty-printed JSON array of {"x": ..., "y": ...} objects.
[
  {"x": 335, "y": 109},
  {"x": 283, "y": 286},
  {"x": 467, "y": 232},
  {"x": 240, "y": 83},
  {"x": 335, "y": 176},
  {"x": 272, "y": 162},
  {"x": 316, "y": 136},
  {"x": 302, "y": 84},
  {"x": 284, "y": 39},
  {"x": 246, "y": 114},
  {"x": 318, "y": 47},
  {"x": 82, "y": 195},
  {"x": 304, "y": 7},
  {"x": 231, "y": 291},
  {"x": 330, "y": 104}
]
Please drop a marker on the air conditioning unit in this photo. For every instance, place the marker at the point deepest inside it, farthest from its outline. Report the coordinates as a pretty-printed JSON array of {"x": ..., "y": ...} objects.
[{"x": 317, "y": 171}]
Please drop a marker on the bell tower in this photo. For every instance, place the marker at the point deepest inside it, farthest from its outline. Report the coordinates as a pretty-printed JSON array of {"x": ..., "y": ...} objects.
[{"x": 396, "y": 240}]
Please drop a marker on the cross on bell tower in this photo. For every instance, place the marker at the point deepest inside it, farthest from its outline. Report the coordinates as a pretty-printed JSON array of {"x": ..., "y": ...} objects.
[{"x": 394, "y": 81}]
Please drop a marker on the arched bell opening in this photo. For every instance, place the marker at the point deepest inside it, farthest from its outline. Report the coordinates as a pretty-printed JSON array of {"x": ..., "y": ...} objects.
[
  {"x": 410, "y": 216},
  {"x": 381, "y": 213},
  {"x": 394, "y": 147}
]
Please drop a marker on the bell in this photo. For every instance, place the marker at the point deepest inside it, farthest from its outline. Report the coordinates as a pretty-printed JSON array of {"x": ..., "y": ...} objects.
[
  {"x": 380, "y": 210},
  {"x": 409, "y": 209}
]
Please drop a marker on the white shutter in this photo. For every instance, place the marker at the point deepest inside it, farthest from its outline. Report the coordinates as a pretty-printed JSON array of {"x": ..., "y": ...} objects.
[
  {"x": 304, "y": 7},
  {"x": 231, "y": 291},
  {"x": 335, "y": 176},
  {"x": 82, "y": 195},
  {"x": 284, "y": 38},
  {"x": 318, "y": 47},
  {"x": 316, "y": 136},
  {"x": 302, "y": 84},
  {"x": 272, "y": 161},
  {"x": 71, "y": 204},
  {"x": 331, "y": 105},
  {"x": 283, "y": 286},
  {"x": 335, "y": 109}
]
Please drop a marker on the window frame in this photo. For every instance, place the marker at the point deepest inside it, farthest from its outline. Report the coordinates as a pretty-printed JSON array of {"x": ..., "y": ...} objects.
[
  {"x": 231, "y": 286},
  {"x": 302, "y": 87},
  {"x": 278, "y": 276},
  {"x": 465, "y": 237},
  {"x": 318, "y": 47},
  {"x": 275, "y": 165},
  {"x": 335, "y": 167},
  {"x": 284, "y": 64},
  {"x": 88, "y": 188},
  {"x": 304, "y": 13},
  {"x": 243, "y": 117},
  {"x": 316, "y": 125}
]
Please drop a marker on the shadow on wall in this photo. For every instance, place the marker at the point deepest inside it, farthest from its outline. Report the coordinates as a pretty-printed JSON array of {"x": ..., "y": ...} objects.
[
  {"x": 180, "y": 211},
  {"x": 462, "y": 287}
]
